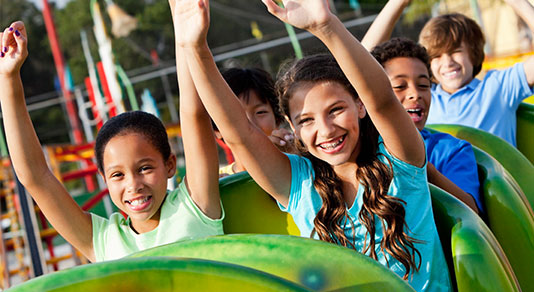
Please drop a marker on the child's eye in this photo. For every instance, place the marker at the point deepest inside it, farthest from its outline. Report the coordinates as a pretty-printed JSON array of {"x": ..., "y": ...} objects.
[
  {"x": 262, "y": 112},
  {"x": 424, "y": 85},
  {"x": 145, "y": 168},
  {"x": 116, "y": 175},
  {"x": 305, "y": 121},
  {"x": 399, "y": 87},
  {"x": 336, "y": 109}
]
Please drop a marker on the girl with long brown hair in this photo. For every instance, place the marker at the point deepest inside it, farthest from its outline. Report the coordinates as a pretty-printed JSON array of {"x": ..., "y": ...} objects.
[{"x": 356, "y": 185}]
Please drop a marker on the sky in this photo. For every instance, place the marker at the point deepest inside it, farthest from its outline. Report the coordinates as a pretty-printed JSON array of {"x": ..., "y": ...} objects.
[{"x": 59, "y": 3}]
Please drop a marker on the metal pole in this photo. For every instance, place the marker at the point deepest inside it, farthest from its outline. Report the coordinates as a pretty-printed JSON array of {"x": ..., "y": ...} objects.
[
  {"x": 33, "y": 238},
  {"x": 60, "y": 68}
]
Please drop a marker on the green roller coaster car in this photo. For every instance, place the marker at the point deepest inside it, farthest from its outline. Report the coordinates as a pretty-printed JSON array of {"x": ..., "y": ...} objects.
[
  {"x": 158, "y": 274},
  {"x": 511, "y": 159}
]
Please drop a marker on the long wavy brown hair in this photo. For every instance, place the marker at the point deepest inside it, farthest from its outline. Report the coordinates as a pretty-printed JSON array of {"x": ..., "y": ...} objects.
[{"x": 374, "y": 175}]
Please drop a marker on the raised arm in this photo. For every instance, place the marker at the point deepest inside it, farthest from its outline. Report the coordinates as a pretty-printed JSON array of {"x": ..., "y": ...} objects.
[
  {"x": 26, "y": 154},
  {"x": 268, "y": 166},
  {"x": 200, "y": 150},
  {"x": 437, "y": 178},
  {"x": 368, "y": 78},
  {"x": 525, "y": 10},
  {"x": 384, "y": 23}
]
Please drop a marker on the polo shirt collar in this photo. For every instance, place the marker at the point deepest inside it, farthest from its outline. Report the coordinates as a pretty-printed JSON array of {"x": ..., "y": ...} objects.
[{"x": 471, "y": 86}]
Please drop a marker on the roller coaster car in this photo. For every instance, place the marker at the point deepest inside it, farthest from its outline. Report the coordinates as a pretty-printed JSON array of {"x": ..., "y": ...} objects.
[{"x": 475, "y": 258}]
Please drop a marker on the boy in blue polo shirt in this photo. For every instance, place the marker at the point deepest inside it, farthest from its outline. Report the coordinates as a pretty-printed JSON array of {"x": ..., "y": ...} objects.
[
  {"x": 455, "y": 44},
  {"x": 451, "y": 161}
]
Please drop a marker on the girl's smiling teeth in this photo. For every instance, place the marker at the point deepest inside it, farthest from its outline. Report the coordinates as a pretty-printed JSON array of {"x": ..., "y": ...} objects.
[
  {"x": 332, "y": 145},
  {"x": 139, "y": 202}
]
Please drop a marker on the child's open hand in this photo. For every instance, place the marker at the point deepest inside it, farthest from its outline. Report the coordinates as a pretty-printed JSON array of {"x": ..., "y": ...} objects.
[
  {"x": 191, "y": 21},
  {"x": 14, "y": 49},
  {"x": 284, "y": 140},
  {"x": 304, "y": 14}
]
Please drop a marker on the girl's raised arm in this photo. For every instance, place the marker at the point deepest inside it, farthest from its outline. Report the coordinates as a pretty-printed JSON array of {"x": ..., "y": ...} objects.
[
  {"x": 367, "y": 76},
  {"x": 269, "y": 167},
  {"x": 26, "y": 154},
  {"x": 201, "y": 157}
]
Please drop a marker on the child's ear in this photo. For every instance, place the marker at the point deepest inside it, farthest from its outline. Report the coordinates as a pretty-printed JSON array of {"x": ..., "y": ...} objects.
[
  {"x": 171, "y": 166},
  {"x": 361, "y": 109},
  {"x": 102, "y": 175}
]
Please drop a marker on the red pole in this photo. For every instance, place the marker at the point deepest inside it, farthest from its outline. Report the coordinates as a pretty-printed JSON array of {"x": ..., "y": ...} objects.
[{"x": 60, "y": 67}]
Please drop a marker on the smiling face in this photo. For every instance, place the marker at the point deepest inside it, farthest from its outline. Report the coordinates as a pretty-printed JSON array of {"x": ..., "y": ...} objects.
[
  {"x": 325, "y": 116},
  {"x": 453, "y": 70},
  {"x": 411, "y": 83},
  {"x": 136, "y": 175},
  {"x": 259, "y": 113}
]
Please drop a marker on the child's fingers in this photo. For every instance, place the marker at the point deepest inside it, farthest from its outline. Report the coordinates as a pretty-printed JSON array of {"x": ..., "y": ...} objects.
[
  {"x": 2, "y": 54},
  {"x": 273, "y": 8},
  {"x": 19, "y": 25},
  {"x": 7, "y": 40},
  {"x": 277, "y": 140},
  {"x": 22, "y": 42},
  {"x": 17, "y": 28}
]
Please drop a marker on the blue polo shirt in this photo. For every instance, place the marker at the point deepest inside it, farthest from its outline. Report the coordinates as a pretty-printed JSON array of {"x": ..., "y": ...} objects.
[
  {"x": 455, "y": 159},
  {"x": 410, "y": 185},
  {"x": 489, "y": 104}
]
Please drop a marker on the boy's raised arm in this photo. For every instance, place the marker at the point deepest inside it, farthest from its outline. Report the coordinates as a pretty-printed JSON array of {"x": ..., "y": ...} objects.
[
  {"x": 525, "y": 10},
  {"x": 201, "y": 157},
  {"x": 26, "y": 154},
  {"x": 384, "y": 23}
]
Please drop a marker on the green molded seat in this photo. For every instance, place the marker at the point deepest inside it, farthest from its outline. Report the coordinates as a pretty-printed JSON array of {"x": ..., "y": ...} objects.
[
  {"x": 525, "y": 130},
  {"x": 472, "y": 251},
  {"x": 249, "y": 209},
  {"x": 479, "y": 262},
  {"x": 158, "y": 274},
  {"x": 508, "y": 216},
  {"x": 511, "y": 159},
  {"x": 314, "y": 264}
]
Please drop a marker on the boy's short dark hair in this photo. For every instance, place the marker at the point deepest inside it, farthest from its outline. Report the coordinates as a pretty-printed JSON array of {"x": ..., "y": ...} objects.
[
  {"x": 244, "y": 80},
  {"x": 401, "y": 47},
  {"x": 445, "y": 33}
]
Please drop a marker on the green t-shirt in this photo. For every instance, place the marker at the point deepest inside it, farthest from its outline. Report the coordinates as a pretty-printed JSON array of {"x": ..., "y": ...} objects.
[{"x": 180, "y": 219}]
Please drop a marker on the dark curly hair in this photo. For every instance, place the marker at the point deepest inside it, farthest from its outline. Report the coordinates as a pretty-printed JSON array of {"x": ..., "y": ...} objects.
[
  {"x": 401, "y": 47},
  {"x": 137, "y": 122},
  {"x": 374, "y": 175}
]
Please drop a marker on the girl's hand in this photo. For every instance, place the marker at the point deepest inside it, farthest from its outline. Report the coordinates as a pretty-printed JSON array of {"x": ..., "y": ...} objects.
[
  {"x": 191, "y": 21},
  {"x": 304, "y": 14},
  {"x": 14, "y": 49},
  {"x": 284, "y": 140}
]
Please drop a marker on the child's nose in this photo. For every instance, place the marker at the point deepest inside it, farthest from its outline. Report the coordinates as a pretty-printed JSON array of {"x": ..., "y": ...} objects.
[
  {"x": 413, "y": 94},
  {"x": 446, "y": 59},
  {"x": 326, "y": 128},
  {"x": 135, "y": 185}
]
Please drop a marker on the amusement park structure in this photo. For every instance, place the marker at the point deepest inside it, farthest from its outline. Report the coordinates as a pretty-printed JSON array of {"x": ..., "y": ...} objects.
[{"x": 479, "y": 249}]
